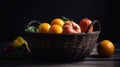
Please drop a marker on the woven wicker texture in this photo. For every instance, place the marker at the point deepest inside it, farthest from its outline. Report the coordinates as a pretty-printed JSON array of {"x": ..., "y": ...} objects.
[{"x": 63, "y": 47}]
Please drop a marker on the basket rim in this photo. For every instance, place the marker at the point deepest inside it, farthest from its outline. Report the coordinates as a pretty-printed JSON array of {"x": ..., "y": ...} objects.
[{"x": 34, "y": 33}]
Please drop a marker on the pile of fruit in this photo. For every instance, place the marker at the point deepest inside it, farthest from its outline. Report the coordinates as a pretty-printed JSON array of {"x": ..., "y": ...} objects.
[
  {"x": 62, "y": 26},
  {"x": 105, "y": 48},
  {"x": 19, "y": 47}
]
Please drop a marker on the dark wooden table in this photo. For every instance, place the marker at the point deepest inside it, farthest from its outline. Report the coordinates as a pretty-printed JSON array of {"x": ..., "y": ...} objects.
[{"x": 93, "y": 60}]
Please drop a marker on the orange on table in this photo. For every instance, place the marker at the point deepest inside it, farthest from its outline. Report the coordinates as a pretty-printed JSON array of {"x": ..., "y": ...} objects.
[
  {"x": 105, "y": 48},
  {"x": 58, "y": 21},
  {"x": 56, "y": 29},
  {"x": 44, "y": 27}
]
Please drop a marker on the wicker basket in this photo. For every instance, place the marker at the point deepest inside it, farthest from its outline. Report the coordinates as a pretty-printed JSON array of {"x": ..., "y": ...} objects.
[{"x": 63, "y": 47}]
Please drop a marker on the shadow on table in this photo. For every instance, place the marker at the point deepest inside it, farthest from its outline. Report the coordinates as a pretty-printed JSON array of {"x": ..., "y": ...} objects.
[{"x": 114, "y": 57}]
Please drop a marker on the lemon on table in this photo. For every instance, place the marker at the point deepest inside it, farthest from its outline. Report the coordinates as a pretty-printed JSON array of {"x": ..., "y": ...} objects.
[
  {"x": 44, "y": 27},
  {"x": 105, "y": 48},
  {"x": 18, "y": 42}
]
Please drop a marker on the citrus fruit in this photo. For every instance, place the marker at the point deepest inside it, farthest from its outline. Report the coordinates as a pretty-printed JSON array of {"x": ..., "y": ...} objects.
[
  {"x": 56, "y": 29},
  {"x": 44, "y": 28},
  {"x": 105, "y": 48},
  {"x": 58, "y": 21},
  {"x": 18, "y": 42}
]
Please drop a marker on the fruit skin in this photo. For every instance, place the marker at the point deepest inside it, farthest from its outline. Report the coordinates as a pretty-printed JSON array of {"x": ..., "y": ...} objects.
[
  {"x": 71, "y": 27},
  {"x": 58, "y": 21},
  {"x": 105, "y": 48},
  {"x": 44, "y": 27},
  {"x": 18, "y": 42},
  {"x": 84, "y": 23},
  {"x": 56, "y": 29}
]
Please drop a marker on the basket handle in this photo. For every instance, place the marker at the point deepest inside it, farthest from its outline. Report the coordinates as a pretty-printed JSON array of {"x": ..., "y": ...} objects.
[
  {"x": 95, "y": 21},
  {"x": 31, "y": 22}
]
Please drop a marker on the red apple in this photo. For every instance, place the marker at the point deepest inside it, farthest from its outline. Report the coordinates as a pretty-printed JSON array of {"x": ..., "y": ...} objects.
[
  {"x": 84, "y": 23},
  {"x": 71, "y": 27}
]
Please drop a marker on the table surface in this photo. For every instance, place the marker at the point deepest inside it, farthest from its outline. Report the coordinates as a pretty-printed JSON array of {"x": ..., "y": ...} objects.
[{"x": 93, "y": 60}]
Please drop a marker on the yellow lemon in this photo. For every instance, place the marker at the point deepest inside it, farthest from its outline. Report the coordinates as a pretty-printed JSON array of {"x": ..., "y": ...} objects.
[
  {"x": 44, "y": 28},
  {"x": 58, "y": 21},
  {"x": 105, "y": 48},
  {"x": 20, "y": 41},
  {"x": 56, "y": 29}
]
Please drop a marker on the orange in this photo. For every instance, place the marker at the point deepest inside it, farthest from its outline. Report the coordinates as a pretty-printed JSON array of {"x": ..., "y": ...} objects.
[
  {"x": 105, "y": 48},
  {"x": 44, "y": 28},
  {"x": 58, "y": 21},
  {"x": 56, "y": 29}
]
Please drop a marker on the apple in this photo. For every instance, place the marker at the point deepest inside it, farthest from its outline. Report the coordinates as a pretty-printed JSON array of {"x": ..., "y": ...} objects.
[
  {"x": 84, "y": 23},
  {"x": 71, "y": 27}
]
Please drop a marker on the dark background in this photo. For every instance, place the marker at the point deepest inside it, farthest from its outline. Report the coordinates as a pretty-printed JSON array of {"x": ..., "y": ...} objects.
[{"x": 16, "y": 14}]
